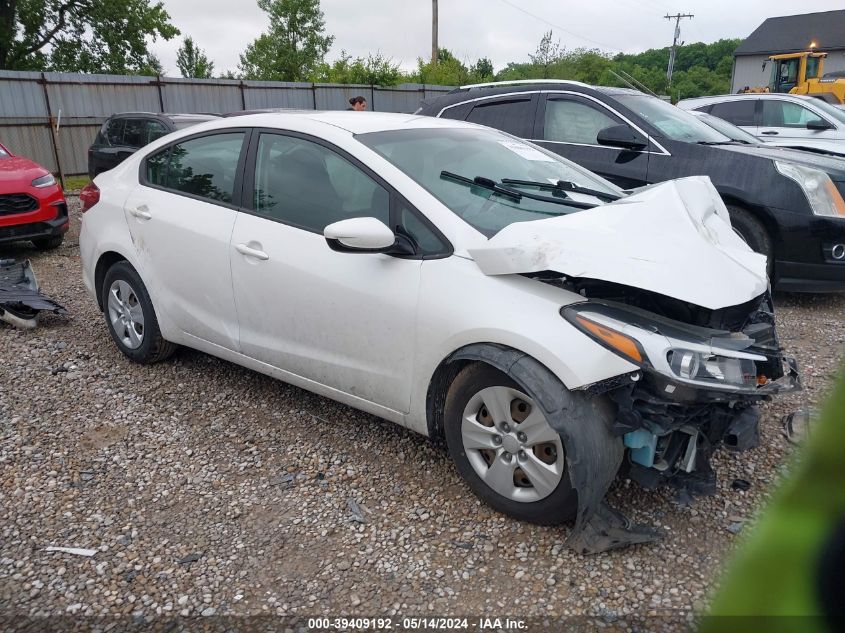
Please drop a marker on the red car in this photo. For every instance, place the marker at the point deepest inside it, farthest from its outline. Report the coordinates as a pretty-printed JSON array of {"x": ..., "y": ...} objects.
[{"x": 32, "y": 204}]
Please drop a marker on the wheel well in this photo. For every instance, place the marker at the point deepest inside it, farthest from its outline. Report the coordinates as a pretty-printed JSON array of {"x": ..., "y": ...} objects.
[
  {"x": 758, "y": 214},
  {"x": 500, "y": 357},
  {"x": 106, "y": 261}
]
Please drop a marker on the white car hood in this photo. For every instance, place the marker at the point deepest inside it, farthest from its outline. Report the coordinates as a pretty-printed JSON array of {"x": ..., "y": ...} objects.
[{"x": 672, "y": 238}]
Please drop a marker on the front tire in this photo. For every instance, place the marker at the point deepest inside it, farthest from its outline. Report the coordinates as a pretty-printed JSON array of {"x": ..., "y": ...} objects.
[
  {"x": 130, "y": 316},
  {"x": 505, "y": 449},
  {"x": 48, "y": 243}
]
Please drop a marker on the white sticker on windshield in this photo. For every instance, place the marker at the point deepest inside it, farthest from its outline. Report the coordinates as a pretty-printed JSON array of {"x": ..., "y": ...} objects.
[{"x": 526, "y": 151}]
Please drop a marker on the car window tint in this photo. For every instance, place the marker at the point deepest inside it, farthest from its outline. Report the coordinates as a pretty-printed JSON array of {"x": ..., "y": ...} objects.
[
  {"x": 737, "y": 112},
  {"x": 571, "y": 121},
  {"x": 514, "y": 116},
  {"x": 114, "y": 132},
  {"x": 155, "y": 129},
  {"x": 205, "y": 166},
  {"x": 308, "y": 185},
  {"x": 786, "y": 114},
  {"x": 156, "y": 168},
  {"x": 134, "y": 133},
  {"x": 426, "y": 239}
]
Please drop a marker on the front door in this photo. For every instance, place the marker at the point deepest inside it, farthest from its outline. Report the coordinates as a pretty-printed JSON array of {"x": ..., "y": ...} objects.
[
  {"x": 784, "y": 120},
  {"x": 569, "y": 124},
  {"x": 345, "y": 320}
]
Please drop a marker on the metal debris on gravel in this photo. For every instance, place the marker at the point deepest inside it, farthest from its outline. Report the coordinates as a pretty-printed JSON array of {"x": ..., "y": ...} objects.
[{"x": 199, "y": 455}]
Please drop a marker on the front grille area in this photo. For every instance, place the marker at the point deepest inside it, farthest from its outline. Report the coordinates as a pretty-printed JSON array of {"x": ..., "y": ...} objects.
[{"x": 12, "y": 203}]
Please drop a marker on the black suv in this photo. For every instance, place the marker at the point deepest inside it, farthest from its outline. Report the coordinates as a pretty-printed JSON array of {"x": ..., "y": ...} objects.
[
  {"x": 788, "y": 205},
  {"x": 124, "y": 134}
]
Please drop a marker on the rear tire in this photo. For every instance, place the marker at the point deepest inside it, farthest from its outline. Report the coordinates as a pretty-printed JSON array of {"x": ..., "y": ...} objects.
[
  {"x": 754, "y": 233},
  {"x": 48, "y": 243},
  {"x": 490, "y": 423},
  {"x": 130, "y": 316}
]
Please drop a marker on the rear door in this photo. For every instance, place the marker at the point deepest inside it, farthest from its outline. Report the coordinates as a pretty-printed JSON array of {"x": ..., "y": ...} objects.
[
  {"x": 181, "y": 217},
  {"x": 743, "y": 113},
  {"x": 568, "y": 124}
]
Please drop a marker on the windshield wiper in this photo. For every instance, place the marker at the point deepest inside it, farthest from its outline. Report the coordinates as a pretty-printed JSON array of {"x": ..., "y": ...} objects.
[
  {"x": 562, "y": 186},
  {"x": 497, "y": 188},
  {"x": 716, "y": 142},
  {"x": 484, "y": 183}
]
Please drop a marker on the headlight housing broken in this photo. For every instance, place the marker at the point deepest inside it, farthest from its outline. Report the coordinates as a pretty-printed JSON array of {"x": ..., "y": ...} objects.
[{"x": 672, "y": 350}]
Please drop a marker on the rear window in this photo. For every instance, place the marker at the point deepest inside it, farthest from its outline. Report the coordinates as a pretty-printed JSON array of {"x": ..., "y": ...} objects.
[{"x": 514, "y": 116}]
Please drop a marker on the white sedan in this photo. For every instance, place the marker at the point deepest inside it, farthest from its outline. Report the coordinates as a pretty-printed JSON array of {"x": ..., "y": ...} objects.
[{"x": 455, "y": 280}]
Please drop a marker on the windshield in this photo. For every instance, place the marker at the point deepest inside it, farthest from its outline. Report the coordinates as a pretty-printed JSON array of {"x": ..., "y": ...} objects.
[
  {"x": 434, "y": 157},
  {"x": 671, "y": 121},
  {"x": 728, "y": 129},
  {"x": 835, "y": 112}
]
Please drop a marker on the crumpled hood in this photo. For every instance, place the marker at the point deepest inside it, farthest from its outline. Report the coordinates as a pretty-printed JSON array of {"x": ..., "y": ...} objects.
[{"x": 672, "y": 238}]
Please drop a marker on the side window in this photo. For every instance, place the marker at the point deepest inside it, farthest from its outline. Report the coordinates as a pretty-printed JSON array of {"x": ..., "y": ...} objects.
[
  {"x": 155, "y": 129},
  {"x": 786, "y": 114},
  {"x": 303, "y": 183},
  {"x": 114, "y": 132},
  {"x": 205, "y": 166},
  {"x": 571, "y": 121},
  {"x": 739, "y": 112},
  {"x": 156, "y": 168},
  {"x": 514, "y": 116},
  {"x": 134, "y": 133},
  {"x": 427, "y": 240}
]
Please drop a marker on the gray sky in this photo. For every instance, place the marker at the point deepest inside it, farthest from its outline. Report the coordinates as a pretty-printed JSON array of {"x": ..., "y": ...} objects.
[{"x": 502, "y": 30}]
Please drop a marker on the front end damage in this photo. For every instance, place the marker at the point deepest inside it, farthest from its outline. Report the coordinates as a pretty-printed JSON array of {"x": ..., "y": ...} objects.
[{"x": 701, "y": 375}]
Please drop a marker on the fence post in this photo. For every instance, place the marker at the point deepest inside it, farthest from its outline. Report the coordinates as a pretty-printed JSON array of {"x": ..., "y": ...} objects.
[
  {"x": 314, "y": 94},
  {"x": 54, "y": 137},
  {"x": 160, "y": 95},
  {"x": 243, "y": 97}
]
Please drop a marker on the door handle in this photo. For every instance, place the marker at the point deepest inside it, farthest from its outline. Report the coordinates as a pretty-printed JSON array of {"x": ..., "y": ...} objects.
[
  {"x": 769, "y": 132},
  {"x": 141, "y": 212},
  {"x": 243, "y": 249}
]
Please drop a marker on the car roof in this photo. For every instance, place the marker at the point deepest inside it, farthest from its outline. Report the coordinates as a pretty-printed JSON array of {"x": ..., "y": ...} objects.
[
  {"x": 751, "y": 95},
  {"x": 349, "y": 120},
  {"x": 173, "y": 116}
]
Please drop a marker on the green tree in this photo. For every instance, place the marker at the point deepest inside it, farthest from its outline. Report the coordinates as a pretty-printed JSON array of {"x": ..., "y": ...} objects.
[
  {"x": 102, "y": 36},
  {"x": 548, "y": 53},
  {"x": 375, "y": 70},
  {"x": 293, "y": 47},
  {"x": 150, "y": 68},
  {"x": 482, "y": 70},
  {"x": 192, "y": 61}
]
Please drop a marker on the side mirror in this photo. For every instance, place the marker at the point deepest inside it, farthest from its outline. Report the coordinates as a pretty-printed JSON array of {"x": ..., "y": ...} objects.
[
  {"x": 818, "y": 124},
  {"x": 359, "y": 235},
  {"x": 621, "y": 136}
]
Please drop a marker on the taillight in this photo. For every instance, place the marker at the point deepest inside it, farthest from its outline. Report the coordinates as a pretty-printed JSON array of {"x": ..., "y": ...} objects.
[{"x": 89, "y": 196}]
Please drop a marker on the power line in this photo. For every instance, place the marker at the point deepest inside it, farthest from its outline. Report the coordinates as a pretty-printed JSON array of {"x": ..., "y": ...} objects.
[{"x": 560, "y": 28}]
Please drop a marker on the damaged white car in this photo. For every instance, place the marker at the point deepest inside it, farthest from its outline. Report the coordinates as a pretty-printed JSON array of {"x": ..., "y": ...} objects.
[{"x": 457, "y": 281}]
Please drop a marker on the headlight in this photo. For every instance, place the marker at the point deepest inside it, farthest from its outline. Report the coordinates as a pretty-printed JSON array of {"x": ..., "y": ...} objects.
[
  {"x": 697, "y": 366},
  {"x": 683, "y": 354},
  {"x": 44, "y": 181},
  {"x": 821, "y": 193}
]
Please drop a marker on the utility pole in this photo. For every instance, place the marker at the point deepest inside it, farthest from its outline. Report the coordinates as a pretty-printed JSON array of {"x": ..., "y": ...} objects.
[
  {"x": 677, "y": 17},
  {"x": 433, "y": 32}
]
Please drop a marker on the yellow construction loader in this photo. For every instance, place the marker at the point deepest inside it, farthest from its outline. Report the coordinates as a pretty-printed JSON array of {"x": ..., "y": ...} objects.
[{"x": 803, "y": 74}]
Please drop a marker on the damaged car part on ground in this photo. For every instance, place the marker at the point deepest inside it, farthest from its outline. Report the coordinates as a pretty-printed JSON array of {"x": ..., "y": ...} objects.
[
  {"x": 423, "y": 271},
  {"x": 20, "y": 298}
]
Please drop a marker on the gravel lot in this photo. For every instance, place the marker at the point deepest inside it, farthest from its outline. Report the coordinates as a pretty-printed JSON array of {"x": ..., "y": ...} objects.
[{"x": 207, "y": 488}]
